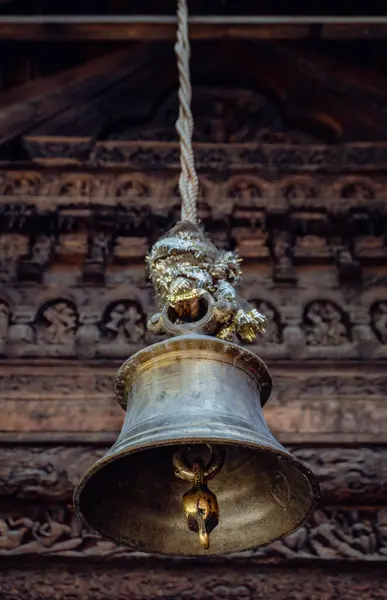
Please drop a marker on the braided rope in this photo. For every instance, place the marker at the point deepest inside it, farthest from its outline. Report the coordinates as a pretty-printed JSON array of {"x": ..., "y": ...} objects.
[{"x": 188, "y": 182}]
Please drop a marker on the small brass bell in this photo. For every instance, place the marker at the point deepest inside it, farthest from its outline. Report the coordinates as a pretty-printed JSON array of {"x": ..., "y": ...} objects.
[{"x": 195, "y": 450}]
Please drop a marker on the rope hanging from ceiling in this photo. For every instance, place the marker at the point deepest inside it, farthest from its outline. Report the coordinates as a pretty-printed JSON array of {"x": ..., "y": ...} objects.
[{"x": 189, "y": 181}]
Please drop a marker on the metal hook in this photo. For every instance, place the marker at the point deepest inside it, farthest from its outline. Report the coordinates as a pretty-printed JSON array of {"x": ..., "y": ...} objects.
[{"x": 185, "y": 471}]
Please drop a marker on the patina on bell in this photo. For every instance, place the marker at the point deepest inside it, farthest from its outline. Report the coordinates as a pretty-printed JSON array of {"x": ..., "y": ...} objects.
[
  {"x": 193, "y": 398},
  {"x": 195, "y": 470}
]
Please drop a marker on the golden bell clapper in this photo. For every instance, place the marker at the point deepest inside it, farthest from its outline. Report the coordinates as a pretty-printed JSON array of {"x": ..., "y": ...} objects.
[{"x": 195, "y": 470}]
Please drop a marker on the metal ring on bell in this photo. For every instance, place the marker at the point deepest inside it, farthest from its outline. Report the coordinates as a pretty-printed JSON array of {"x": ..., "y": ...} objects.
[{"x": 184, "y": 471}]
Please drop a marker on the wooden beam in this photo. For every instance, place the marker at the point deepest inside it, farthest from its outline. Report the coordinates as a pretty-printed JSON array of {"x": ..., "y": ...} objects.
[
  {"x": 129, "y": 96},
  {"x": 299, "y": 422},
  {"x": 300, "y": 411},
  {"x": 308, "y": 102},
  {"x": 39, "y": 473},
  {"x": 147, "y": 31},
  {"x": 363, "y": 87},
  {"x": 311, "y": 98},
  {"x": 148, "y": 578},
  {"x": 39, "y": 100},
  {"x": 163, "y": 28},
  {"x": 43, "y": 531}
]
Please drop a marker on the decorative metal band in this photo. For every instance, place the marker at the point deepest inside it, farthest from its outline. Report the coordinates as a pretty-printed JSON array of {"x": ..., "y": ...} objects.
[{"x": 193, "y": 347}]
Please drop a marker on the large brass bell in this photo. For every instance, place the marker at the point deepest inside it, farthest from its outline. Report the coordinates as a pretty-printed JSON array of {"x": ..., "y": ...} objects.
[{"x": 195, "y": 453}]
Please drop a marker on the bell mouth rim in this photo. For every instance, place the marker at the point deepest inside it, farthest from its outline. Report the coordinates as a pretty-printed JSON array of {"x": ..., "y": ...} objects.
[
  {"x": 314, "y": 504},
  {"x": 243, "y": 359}
]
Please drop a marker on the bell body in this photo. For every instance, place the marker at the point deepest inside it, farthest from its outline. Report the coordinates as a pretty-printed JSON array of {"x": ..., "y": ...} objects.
[{"x": 188, "y": 392}]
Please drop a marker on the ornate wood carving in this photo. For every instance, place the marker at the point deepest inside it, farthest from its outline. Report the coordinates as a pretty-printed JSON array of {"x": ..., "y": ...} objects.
[
  {"x": 94, "y": 322},
  {"x": 330, "y": 535},
  {"x": 263, "y": 135},
  {"x": 315, "y": 158},
  {"x": 348, "y": 476},
  {"x": 288, "y": 225},
  {"x": 101, "y": 221},
  {"x": 192, "y": 582},
  {"x": 330, "y": 194}
]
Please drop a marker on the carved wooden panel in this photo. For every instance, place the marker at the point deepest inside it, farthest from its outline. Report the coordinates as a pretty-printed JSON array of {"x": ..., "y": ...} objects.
[
  {"x": 40, "y": 473},
  {"x": 142, "y": 581},
  {"x": 96, "y": 322},
  {"x": 55, "y": 530},
  {"x": 90, "y": 225}
]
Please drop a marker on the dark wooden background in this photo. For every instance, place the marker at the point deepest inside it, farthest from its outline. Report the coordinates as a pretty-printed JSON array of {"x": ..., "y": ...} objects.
[{"x": 291, "y": 149}]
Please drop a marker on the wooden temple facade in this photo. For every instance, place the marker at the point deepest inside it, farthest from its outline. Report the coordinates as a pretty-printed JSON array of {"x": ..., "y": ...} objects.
[{"x": 291, "y": 148}]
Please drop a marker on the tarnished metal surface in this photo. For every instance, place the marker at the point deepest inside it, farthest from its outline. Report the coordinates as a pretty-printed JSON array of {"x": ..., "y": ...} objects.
[
  {"x": 194, "y": 357},
  {"x": 191, "y": 391}
]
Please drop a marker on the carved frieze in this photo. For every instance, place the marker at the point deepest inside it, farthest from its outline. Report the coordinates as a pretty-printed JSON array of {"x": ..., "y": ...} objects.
[
  {"x": 144, "y": 580},
  {"x": 94, "y": 229},
  {"x": 56, "y": 323},
  {"x": 306, "y": 158},
  {"x": 55, "y": 530},
  {"x": 234, "y": 128},
  {"x": 111, "y": 321},
  {"x": 94, "y": 222},
  {"x": 48, "y": 474},
  {"x": 50, "y": 189}
]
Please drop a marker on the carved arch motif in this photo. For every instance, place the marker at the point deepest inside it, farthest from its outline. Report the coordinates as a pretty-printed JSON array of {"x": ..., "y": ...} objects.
[
  {"x": 56, "y": 322},
  {"x": 298, "y": 190},
  {"x": 76, "y": 185},
  {"x": 5, "y": 319},
  {"x": 359, "y": 190},
  {"x": 123, "y": 321},
  {"x": 20, "y": 183},
  {"x": 325, "y": 324},
  {"x": 245, "y": 190},
  {"x": 274, "y": 327},
  {"x": 131, "y": 187},
  {"x": 378, "y": 315}
]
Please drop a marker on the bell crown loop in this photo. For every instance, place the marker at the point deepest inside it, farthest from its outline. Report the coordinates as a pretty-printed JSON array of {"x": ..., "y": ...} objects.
[{"x": 192, "y": 347}]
